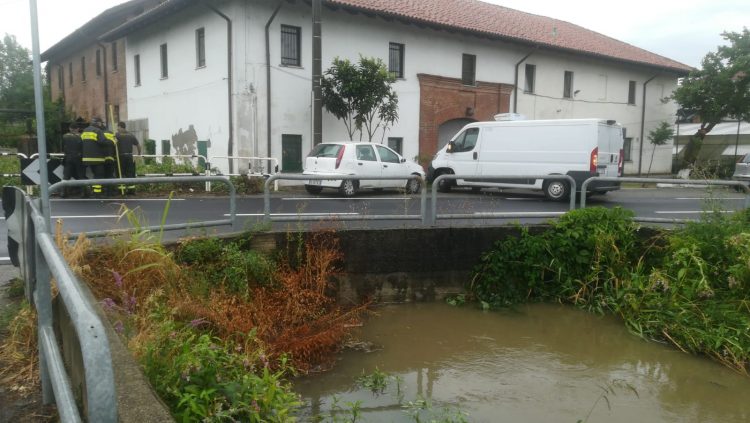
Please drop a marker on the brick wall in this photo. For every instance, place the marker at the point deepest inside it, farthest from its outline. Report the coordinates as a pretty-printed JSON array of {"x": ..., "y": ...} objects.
[
  {"x": 443, "y": 99},
  {"x": 87, "y": 98}
]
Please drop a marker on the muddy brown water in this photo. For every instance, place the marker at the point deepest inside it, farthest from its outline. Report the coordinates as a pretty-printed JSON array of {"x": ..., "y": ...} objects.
[{"x": 537, "y": 363}]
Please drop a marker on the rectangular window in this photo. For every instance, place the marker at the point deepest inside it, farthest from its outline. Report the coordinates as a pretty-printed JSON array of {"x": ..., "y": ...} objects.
[
  {"x": 137, "y": 69},
  {"x": 60, "y": 77},
  {"x": 627, "y": 146},
  {"x": 70, "y": 74},
  {"x": 530, "y": 79},
  {"x": 164, "y": 66},
  {"x": 200, "y": 47},
  {"x": 396, "y": 60},
  {"x": 290, "y": 45},
  {"x": 469, "y": 69},
  {"x": 568, "y": 85},
  {"x": 98, "y": 62},
  {"x": 116, "y": 113},
  {"x": 631, "y": 92},
  {"x": 396, "y": 144},
  {"x": 114, "y": 55},
  {"x": 83, "y": 68}
]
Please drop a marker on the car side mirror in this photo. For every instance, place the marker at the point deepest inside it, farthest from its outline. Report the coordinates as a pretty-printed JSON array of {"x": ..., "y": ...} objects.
[
  {"x": 403, "y": 160},
  {"x": 450, "y": 147}
]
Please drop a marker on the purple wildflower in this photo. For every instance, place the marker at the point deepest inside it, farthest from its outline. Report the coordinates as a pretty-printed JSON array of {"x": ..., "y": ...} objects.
[
  {"x": 131, "y": 304},
  {"x": 118, "y": 279},
  {"x": 119, "y": 327},
  {"x": 108, "y": 304},
  {"x": 198, "y": 322}
]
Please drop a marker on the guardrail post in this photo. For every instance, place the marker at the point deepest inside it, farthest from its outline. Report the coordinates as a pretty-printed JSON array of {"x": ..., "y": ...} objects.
[
  {"x": 267, "y": 199},
  {"x": 43, "y": 305},
  {"x": 423, "y": 201}
]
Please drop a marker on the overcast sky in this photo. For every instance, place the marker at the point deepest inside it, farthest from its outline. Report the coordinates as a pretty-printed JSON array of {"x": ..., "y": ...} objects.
[{"x": 683, "y": 30}]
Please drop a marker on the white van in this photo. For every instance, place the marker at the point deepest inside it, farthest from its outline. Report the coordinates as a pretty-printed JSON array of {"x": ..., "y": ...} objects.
[{"x": 580, "y": 148}]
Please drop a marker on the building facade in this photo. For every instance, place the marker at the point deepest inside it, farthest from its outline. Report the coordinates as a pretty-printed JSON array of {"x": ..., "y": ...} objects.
[
  {"x": 239, "y": 74},
  {"x": 88, "y": 74}
]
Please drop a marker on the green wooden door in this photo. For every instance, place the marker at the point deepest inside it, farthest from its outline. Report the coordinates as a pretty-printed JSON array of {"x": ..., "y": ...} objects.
[{"x": 291, "y": 153}]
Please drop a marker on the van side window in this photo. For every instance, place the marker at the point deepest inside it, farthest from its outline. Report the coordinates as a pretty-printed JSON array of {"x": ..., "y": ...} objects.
[
  {"x": 387, "y": 155},
  {"x": 466, "y": 141},
  {"x": 364, "y": 152}
]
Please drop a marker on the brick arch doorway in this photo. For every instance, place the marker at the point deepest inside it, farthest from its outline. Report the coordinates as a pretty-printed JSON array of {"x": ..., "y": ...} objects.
[{"x": 448, "y": 129}]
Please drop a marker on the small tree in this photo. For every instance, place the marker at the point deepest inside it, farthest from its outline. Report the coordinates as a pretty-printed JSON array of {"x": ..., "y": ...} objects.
[
  {"x": 361, "y": 96},
  {"x": 659, "y": 136},
  {"x": 719, "y": 89}
]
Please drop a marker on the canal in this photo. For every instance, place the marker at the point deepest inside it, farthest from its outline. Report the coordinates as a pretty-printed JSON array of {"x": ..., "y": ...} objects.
[{"x": 535, "y": 363}]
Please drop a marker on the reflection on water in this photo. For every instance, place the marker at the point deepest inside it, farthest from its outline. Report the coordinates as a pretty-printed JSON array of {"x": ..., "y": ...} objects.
[{"x": 538, "y": 363}]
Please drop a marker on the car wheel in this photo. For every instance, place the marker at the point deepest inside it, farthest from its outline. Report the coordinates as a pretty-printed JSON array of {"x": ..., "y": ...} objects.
[
  {"x": 313, "y": 189},
  {"x": 445, "y": 184},
  {"x": 556, "y": 190},
  {"x": 413, "y": 186},
  {"x": 348, "y": 188}
]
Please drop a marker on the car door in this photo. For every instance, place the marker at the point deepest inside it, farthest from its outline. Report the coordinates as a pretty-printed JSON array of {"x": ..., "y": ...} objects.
[
  {"x": 367, "y": 164},
  {"x": 392, "y": 166},
  {"x": 463, "y": 153}
]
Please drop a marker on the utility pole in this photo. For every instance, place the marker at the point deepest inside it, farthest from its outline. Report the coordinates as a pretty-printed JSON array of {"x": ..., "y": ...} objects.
[
  {"x": 41, "y": 136},
  {"x": 317, "y": 73}
]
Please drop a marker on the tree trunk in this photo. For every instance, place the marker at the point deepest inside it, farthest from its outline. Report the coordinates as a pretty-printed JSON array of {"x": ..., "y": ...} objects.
[{"x": 693, "y": 147}]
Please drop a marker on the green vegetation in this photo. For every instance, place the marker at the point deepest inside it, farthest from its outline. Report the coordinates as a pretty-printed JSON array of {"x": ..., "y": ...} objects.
[
  {"x": 219, "y": 328},
  {"x": 688, "y": 287}
]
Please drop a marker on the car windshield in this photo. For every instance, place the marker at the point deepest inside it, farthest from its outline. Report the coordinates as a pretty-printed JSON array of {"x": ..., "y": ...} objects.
[{"x": 325, "y": 150}]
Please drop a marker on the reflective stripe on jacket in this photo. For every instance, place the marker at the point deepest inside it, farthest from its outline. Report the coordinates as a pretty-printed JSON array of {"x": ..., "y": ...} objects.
[{"x": 92, "y": 139}]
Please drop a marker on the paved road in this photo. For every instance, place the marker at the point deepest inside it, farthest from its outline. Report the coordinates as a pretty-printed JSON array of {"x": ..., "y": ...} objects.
[{"x": 80, "y": 215}]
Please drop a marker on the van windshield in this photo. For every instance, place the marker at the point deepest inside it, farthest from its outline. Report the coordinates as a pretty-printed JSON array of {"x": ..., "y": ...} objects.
[{"x": 325, "y": 150}]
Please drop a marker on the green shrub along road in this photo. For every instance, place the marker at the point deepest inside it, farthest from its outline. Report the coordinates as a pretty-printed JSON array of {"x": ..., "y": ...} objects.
[{"x": 688, "y": 286}]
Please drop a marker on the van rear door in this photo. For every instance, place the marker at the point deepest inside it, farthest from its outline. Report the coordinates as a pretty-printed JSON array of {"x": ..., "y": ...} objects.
[{"x": 609, "y": 141}]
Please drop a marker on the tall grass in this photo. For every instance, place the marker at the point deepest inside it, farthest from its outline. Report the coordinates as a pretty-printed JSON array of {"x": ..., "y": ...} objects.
[{"x": 688, "y": 287}]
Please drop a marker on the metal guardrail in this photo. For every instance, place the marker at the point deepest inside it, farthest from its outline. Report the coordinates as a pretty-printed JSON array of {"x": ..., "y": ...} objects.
[
  {"x": 43, "y": 260},
  {"x": 269, "y": 171},
  {"x": 703, "y": 182},
  {"x": 267, "y": 197},
  {"x": 232, "y": 221},
  {"x": 433, "y": 209}
]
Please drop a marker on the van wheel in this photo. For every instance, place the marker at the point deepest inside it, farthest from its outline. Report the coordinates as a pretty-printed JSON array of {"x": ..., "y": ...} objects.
[
  {"x": 413, "y": 186},
  {"x": 556, "y": 190},
  {"x": 348, "y": 188},
  {"x": 445, "y": 184},
  {"x": 313, "y": 189}
]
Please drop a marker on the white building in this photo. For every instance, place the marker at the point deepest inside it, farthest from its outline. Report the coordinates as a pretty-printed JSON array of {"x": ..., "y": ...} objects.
[{"x": 198, "y": 72}]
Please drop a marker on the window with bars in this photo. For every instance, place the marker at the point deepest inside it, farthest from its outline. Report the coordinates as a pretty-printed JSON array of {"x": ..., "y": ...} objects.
[
  {"x": 631, "y": 92},
  {"x": 568, "y": 85},
  {"x": 114, "y": 55},
  {"x": 137, "y": 69},
  {"x": 396, "y": 144},
  {"x": 396, "y": 60},
  {"x": 530, "y": 79},
  {"x": 200, "y": 47},
  {"x": 290, "y": 45},
  {"x": 60, "y": 78},
  {"x": 164, "y": 61},
  {"x": 469, "y": 69},
  {"x": 98, "y": 62}
]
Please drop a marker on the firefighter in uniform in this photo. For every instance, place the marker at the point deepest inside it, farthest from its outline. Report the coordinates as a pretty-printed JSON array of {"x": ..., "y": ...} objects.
[
  {"x": 110, "y": 155},
  {"x": 125, "y": 143},
  {"x": 93, "y": 148},
  {"x": 72, "y": 149}
]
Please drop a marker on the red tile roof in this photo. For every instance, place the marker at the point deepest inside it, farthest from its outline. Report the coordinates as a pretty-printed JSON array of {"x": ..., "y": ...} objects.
[{"x": 513, "y": 25}]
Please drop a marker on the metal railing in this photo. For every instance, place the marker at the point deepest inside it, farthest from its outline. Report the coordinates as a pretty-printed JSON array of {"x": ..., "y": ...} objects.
[
  {"x": 703, "y": 182},
  {"x": 267, "y": 198},
  {"x": 232, "y": 221},
  {"x": 433, "y": 209},
  {"x": 269, "y": 170},
  {"x": 41, "y": 261}
]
